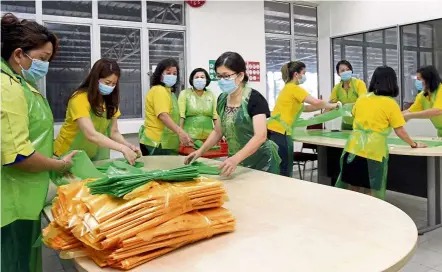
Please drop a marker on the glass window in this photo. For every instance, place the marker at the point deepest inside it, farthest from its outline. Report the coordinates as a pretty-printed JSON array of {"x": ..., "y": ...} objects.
[
  {"x": 18, "y": 6},
  {"x": 167, "y": 44},
  {"x": 165, "y": 12},
  {"x": 354, "y": 55},
  {"x": 277, "y": 17},
  {"x": 120, "y": 10},
  {"x": 409, "y": 35},
  {"x": 69, "y": 67},
  {"x": 337, "y": 56},
  {"x": 278, "y": 53},
  {"x": 374, "y": 60},
  {"x": 304, "y": 20},
  {"x": 392, "y": 59},
  {"x": 409, "y": 70},
  {"x": 358, "y": 37},
  {"x": 81, "y": 9},
  {"x": 391, "y": 36},
  {"x": 425, "y": 36},
  {"x": 306, "y": 51},
  {"x": 123, "y": 45},
  {"x": 374, "y": 37}
]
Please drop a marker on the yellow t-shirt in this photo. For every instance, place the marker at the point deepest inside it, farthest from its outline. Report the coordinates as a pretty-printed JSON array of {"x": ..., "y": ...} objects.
[
  {"x": 375, "y": 113},
  {"x": 417, "y": 105},
  {"x": 157, "y": 101},
  {"x": 360, "y": 88},
  {"x": 288, "y": 104},
  {"x": 14, "y": 121},
  {"x": 78, "y": 107}
]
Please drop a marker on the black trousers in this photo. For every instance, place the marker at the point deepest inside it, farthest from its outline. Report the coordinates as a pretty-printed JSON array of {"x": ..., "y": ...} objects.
[
  {"x": 285, "y": 152},
  {"x": 156, "y": 151}
]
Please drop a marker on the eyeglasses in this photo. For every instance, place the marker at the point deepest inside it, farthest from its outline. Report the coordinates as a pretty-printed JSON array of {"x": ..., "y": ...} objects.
[{"x": 219, "y": 77}]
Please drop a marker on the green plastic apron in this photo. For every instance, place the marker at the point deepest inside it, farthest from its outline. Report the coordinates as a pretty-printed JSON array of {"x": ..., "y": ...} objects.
[
  {"x": 169, "y": 140},
  {"x": 347, "y": 97},
  {"x": 94, "y": 152},
  {"x": 199, "y": 115},
  {"x": 238, "y": 129},
  {"x": 426, "y": 105},
  {"x": 375, "y": 145},
  {"x": 23, "y": 194}
]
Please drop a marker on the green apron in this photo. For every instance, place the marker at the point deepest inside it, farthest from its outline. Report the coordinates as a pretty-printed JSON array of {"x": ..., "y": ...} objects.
[
  {"x": 169, "y": 140},
  {"x": 199, "y": 114},
  {"x": 347, "y": 97},
  {"x": 94, "y": 152},
  {"x": 23, "y": 194},
  {"x": 374, "y": 144},
  {"x": 426, "y": 105},
  {"x": 238, "y": 129}
]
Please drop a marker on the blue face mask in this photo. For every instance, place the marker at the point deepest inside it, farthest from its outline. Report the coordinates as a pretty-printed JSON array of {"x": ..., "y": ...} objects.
[
  {"x": 227, "y": 86},
  {"x": 37, "y": 71},
  {"x": 199, "y": 83},
  {"x": 347, "y": 75},
  {"x": 302, "y": 80},
  {"x": 105, "y": 89},
  {"x": 169, "y": 80},
  {"x": 419, "y": 85}
]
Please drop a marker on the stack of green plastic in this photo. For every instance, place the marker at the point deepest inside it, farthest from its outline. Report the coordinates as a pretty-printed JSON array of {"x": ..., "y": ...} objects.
[
  {"x": 120, "y": 185},
  {"x": 206, "y": 169},
  {"x": 198, "y": 144},
  {"x": 103, "y": 168}
]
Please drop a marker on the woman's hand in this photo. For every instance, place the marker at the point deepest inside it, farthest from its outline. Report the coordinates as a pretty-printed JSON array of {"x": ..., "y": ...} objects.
[
  {"x": 228, "y": 167},
  {"x": 185, "y": 139},
  {"x": 135, "y": 149},
  {"x": 407, "y": 116},
  {"x": 67, "y": 160},
  {"x": 129, "y": 154},
  {"x": 192, "y": 157},
  {"x": 419, "y": 145}
]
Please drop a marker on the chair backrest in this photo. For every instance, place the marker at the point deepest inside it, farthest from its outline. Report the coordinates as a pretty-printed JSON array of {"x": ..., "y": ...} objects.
[{"x": 312, "y": 146}]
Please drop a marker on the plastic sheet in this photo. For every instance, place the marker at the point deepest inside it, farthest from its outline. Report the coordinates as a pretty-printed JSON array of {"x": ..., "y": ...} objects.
[
  {"x": 344, "y": 111},
  {"x": 198, "y": 122},
  {"x": 198, "y": 144},
  {"x": 121, "y": 164},
  {"x": 238, "y": 129}
]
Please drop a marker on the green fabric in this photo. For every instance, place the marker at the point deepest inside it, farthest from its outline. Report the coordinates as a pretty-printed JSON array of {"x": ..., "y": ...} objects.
[
  {"x": 198, "y": 122},
  {"x": 322, "y": 118},
  {"x": 426, "y": 105},
  {"x": 206, "y": 169},
  {"x": 122, "y": 163},
  {"x": 19, "y": 253},
  {"x": 343, "y": 135},
  {"x": 120, "y": 185},
  {"x": 23, "y": 194},
  {"x": 238, "y": 129},
  {"x": 375, "y": 144},
  {"x": 347, "y": 97},
  {"x": 345, "y": 126},
  {"x": 169, "y": 140},
  {"x": 95, "y": 152},
  {"x": 198, "y": 144}
]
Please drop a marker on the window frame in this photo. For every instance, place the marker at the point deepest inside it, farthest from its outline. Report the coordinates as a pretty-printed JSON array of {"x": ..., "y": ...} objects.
[{"x": 95, "y": 25}]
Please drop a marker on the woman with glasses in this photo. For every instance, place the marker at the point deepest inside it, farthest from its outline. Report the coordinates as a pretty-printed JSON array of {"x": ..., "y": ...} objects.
[
  {"x": 161, "y": 133},
  {"x": 428, "y": 103},
  {"x": 198, "y": 106},
  {"x": 243, "y": 114}
]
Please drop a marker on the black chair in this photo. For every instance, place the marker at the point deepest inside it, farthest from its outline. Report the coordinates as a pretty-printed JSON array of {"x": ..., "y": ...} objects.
[{"x": 302, "y": 158}]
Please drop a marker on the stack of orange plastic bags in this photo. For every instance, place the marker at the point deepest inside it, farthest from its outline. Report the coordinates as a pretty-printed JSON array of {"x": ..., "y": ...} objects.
[{"x": 151, "y": 221}]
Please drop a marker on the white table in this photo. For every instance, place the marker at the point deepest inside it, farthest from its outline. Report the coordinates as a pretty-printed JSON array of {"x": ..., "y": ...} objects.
[
  {"x": 434, "y": 171},
  {"x": 284, "y": 224}
]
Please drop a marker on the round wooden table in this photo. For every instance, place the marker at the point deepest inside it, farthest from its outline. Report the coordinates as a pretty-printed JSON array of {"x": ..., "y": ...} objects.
[{"x": 284, "y": 224}]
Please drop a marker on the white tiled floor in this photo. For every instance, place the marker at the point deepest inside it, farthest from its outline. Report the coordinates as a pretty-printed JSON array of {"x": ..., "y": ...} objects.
[{"x": 428, "y": 257}]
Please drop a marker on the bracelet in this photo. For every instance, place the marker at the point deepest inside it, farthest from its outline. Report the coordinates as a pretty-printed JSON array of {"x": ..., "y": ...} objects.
[{"x": 415, "y": 145}]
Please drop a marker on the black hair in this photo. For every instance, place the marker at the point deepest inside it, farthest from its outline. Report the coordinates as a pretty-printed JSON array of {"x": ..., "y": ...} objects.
[
  {"x": 24, "y": 34},
  {"x": 431, "y": 77},
  {"x": 295, "y": 66},
  {"x": 343, "y": 62},
  {"x": 234, "y": 62},
  {"x": 197, "y": 70},
  {"x": 163, "y": 65},
  {"x": 384, "y": 82}
]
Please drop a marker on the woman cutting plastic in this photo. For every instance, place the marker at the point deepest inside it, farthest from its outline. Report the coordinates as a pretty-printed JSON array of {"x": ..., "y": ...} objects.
[
  {"x": 428, "y": 103},
  {"x": 198, "y": 106},
  {"x": 91, "y": 116},
  {"x": 243, "y": 113}
]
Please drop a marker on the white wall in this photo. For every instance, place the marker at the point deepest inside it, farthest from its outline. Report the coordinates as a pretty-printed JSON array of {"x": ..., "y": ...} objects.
[
  {"x": 221, "y": 26},
  {"x": 347, "y": 17}
]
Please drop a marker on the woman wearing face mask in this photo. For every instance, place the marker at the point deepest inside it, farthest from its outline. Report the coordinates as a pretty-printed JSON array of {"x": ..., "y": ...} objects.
[
  {"x": 289, "y": 106},
  {"x": 198, "y": 106},
  {"x": 347, "y": 91},
  {"x": 27, "y": 133},
  {"x": 91, "y": 116},
  {"x": 161, "y": 133},
  {"x": 428, "y": 103},
  {"x": 243, "y": 113}
]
